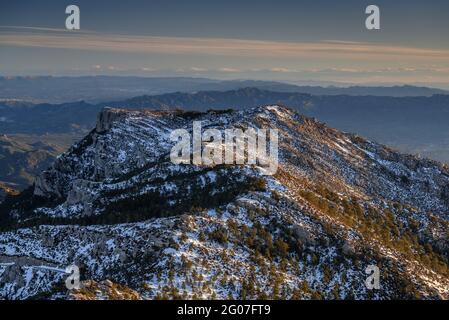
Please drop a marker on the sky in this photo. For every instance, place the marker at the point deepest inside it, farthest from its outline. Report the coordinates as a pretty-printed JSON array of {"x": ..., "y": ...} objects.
[{"x": 296, "y": 41}]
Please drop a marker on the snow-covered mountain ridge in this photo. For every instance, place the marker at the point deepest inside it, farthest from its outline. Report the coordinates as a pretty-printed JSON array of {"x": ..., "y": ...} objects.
[{"x": 116, "y": 206}]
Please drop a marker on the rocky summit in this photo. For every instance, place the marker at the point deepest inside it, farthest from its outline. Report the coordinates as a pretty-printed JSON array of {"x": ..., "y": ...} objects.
[{"x": 140, "y": 227}]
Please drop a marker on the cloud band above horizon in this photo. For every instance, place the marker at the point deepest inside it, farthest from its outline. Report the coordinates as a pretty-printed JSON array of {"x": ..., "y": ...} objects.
[
  {"x": 93, "y": 41},
  {"x": 331, "y": 60}
]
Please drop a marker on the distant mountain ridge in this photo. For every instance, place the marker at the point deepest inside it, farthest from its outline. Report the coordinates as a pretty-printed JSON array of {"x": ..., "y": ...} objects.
[
  {"x": 22, "y": 157},
  {"x": 95, "y": 89},
  {"x": 382, "y": 91}
]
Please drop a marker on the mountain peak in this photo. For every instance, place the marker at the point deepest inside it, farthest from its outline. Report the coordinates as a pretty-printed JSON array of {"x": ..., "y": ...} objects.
[{"x": 337, "y": 204}]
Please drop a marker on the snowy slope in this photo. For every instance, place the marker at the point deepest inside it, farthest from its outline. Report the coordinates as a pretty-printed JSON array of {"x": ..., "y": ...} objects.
[{"x": 117, "y": 207}]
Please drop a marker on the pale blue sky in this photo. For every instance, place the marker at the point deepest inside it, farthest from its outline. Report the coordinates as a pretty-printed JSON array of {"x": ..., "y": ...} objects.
[{"x": 280, "y": 40}]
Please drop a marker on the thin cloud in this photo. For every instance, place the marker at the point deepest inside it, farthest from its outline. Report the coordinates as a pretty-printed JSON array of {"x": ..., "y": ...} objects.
[
  {"x": 215, "y": 46},
  {"x": 232, "y": 70},
  {"x": 44, "y": 29},
  {"x": 198, "y": 69},
  {"x": 283, "y": 70}
]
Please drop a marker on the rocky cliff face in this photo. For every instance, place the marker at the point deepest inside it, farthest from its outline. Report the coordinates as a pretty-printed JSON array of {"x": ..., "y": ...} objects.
[{"x": 116, "y": 206}]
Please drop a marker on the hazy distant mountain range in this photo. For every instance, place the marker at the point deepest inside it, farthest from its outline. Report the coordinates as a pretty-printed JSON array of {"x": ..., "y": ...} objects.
[
  {"x": 410, "y": 124},
  {"x": 96, "y": 89},
  {"x": 23, "y": 156}
]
